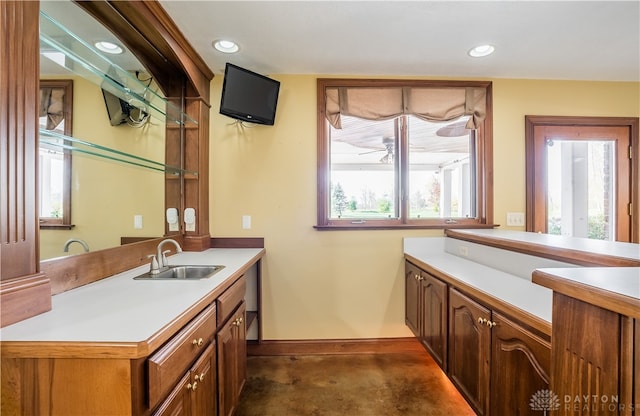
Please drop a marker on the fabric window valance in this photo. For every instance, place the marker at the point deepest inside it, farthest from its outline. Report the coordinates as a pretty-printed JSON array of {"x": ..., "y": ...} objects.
[
  {"x": 427, "y": 103},
  {"x": 52, "y": 106}
]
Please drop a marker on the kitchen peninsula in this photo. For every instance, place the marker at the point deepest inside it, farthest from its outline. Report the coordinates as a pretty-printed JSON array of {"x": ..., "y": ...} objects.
[{"x": 472, "y": 302}]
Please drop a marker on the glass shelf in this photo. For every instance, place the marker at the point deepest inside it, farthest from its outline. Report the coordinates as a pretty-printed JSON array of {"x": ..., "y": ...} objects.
[
  {"x": 76, "y": 55},
  {"x": 55, "y": 141}
]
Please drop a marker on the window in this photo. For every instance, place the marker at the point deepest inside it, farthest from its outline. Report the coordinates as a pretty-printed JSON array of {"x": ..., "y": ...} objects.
[
  {"x": 580, "y": 177},
  {"x": 413, "y": 154},
  {"x": 55, "y": 110}
]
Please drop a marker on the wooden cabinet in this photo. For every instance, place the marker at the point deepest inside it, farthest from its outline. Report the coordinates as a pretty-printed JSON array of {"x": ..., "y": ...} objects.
[
  {"x": 520, "y": 363},
  {"x": 195, "y": 394},
  {"x": 434, "y": 324},
  {"x": 232, "y": 352},
  {"x": 232, "y": 346},
  {"x": 426, "y": 311},
  {"x": 496, "y": 363},
  {"x": 168, "y": 364},
  {"x": 593, "y": 358},
  {"x": 412, "y": 305},
  {"x": 469, "y": 349}
]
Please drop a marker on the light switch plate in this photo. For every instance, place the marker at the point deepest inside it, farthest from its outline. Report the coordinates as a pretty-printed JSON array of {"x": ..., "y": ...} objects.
[
  {"x": 190, "y": 219},
  {"x": 515, "y": 219},
  {"x": 137, "y": 222},
  {"x": 246, "y": 222},
  {"x": 172, "y": 219}
]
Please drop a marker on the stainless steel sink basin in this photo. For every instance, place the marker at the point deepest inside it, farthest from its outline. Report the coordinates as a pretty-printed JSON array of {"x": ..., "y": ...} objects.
[{"x": 182, "y": 273}]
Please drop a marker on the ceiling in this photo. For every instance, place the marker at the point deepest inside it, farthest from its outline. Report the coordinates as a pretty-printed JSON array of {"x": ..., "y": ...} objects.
[{"x": 578, "y": 40}]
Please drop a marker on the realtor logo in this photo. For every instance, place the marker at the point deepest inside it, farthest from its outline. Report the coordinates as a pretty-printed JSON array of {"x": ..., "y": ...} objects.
[{"x": 544, "y": 400}]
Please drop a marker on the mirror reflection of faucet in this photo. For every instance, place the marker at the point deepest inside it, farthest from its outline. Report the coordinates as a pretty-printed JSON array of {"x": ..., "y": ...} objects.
[{"x": 76, "y": 240}]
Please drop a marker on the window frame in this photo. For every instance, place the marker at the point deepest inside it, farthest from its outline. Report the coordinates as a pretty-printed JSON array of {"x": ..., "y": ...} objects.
[
  {"x": 64, "y": 222},
  {"x": 483, "y": 169},
  {"x": 535, "y": 160}
]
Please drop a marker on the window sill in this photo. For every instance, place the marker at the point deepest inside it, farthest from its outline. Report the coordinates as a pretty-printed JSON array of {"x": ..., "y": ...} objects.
[
  {"x": 350, "y": 227},
  {"x": 56, "y": 226}
]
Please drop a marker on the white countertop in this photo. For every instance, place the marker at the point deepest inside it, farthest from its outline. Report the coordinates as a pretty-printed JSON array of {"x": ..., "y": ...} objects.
[
  {"x": 121, "y": 309},
  {"x": 623, "y": 281},
  {"x": 587, "y": 245},
  {"x": 514, "y": 290}
]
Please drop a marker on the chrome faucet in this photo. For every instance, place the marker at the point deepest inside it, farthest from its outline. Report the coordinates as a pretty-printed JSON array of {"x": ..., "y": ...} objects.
[
  {"x": 76, "y": 240},
  {"x": 162, "y": 255}
]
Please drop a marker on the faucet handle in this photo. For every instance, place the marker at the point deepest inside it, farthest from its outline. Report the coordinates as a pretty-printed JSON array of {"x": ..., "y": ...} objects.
[
  {"x": 155, "y": 269},
  {"x": 163, "y": 259}
]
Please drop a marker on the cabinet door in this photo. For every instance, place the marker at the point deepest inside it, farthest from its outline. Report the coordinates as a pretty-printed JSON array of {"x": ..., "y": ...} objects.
[
  {"x": 412, "y": 278},
  {"x": 226, "y": 366},
  {"x": 179, "y": 401},
  {"x": 469, "y": 349},
  {"x": 204, "y": 384},
  {"x": 231, "y": 362},
  {"x": 241, "y": 350},
  {"x": 520, "y": 366},
  {"x": 434, "y": 318}
]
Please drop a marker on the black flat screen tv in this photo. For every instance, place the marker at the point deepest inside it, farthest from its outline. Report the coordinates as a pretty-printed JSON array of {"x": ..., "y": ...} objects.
[{"x": 248, "y": 96}]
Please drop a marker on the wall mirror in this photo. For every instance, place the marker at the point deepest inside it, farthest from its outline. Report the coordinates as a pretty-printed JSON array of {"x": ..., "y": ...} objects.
[{"x": 116, "y": 173}]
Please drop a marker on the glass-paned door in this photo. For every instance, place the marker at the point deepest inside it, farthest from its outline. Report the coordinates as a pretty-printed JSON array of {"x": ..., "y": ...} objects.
[
  {"x": 581, "y": 198},
  {"x": 579, "y": 181}
]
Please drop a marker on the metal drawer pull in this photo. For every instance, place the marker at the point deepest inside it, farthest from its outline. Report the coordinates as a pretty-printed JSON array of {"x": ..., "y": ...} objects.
[{"x": 198, "y": 342}]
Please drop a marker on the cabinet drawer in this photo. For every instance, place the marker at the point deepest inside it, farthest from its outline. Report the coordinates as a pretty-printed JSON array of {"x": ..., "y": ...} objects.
[
  {"x": 230, "y": 299},
  {"x": 169, "y": 363}
]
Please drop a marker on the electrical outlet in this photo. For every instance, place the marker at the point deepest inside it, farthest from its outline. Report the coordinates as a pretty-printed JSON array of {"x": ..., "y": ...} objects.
[
  {"x": 137, "y": 222},
  {"x": 463, "y": 251},
  {"x": 515, "y": 219},
  {"x": 246, "y": 222}
]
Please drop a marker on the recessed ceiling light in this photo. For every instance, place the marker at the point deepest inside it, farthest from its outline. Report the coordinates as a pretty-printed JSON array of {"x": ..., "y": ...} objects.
[
  {"x": 482, "y": 50},
  {"x": 109, "y": 47},
  {"x": 226, "y": 46}
]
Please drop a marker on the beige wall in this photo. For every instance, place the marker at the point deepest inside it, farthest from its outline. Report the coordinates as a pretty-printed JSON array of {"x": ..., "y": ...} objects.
[
  {"x": 349, "y": 284},
  {"x": 106, "y": 195}
]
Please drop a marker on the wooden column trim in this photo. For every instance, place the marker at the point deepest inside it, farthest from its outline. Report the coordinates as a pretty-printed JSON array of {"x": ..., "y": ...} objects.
[
  {"x": 196, "y": 188},
  {"x": 24, "y": 291}
]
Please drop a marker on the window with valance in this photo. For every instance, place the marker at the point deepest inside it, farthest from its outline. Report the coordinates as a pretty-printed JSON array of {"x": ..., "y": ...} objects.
[
  {"x": 54, "y": 182},
  {"x": 403, "y": 153}
]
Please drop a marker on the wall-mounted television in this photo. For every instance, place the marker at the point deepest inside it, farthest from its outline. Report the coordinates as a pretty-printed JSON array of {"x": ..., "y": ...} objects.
[
  {"x": 118, "y": 110},
  {"x": 248, "y": 96}
]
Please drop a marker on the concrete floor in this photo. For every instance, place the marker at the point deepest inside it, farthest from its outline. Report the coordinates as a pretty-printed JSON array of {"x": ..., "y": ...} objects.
[{"x": 349, "y": 385}]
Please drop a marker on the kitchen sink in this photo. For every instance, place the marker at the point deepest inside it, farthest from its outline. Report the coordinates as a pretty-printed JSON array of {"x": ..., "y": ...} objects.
[{"x": 182, "y": 273}]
